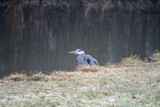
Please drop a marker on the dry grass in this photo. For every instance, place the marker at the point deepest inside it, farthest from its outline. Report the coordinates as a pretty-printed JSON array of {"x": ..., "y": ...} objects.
[
  {"x": 134, "y": 60},
  {"x": 16, "y": 77},
  {"x": 87, "y": 69},
  {"x": 156, "y": 56},
  {"x": 129, "y": 83}
]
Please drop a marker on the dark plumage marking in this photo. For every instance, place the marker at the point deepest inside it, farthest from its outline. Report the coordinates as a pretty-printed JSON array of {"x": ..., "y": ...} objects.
[
  {"x": 95, "y": 62},
  {"x": 88, "y": 61}
]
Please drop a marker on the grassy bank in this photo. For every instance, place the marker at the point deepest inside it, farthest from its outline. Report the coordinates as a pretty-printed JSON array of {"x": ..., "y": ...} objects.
[{"x": 132, "y": 82}]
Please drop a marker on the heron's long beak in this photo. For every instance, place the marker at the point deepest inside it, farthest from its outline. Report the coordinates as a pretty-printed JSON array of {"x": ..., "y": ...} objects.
[{"x": 74, "y": 52}]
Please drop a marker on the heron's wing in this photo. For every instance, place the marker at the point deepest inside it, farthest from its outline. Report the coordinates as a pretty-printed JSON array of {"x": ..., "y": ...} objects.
[
  {"x": 90, "y": 60},
  {"x": 95, "y": 62},
  {"x": 86, "y": 57}
]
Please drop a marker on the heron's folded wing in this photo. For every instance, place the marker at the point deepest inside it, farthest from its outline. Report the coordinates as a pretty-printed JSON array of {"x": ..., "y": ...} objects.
[{"x": 90, "y": 60}]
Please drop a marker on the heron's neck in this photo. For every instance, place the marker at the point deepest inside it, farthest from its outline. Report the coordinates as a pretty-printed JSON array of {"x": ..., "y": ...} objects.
[
  {"x": 81, "y": 56},
  {"x": 80, "y": 59}
]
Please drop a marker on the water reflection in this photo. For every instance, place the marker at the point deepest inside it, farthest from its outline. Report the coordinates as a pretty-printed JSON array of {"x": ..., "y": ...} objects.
[{"x": 49, "y": 35}]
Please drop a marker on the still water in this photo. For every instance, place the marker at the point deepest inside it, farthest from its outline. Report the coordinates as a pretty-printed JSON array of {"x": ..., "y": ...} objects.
[{"x": 46, "y": 37}]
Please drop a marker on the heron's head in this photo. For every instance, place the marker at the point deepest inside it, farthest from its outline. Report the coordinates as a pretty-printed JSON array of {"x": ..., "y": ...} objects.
[{"x": 78, "y": 51}]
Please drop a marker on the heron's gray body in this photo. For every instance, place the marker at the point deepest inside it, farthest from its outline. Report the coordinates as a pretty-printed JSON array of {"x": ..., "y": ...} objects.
[{"x": 85, "y": 60}]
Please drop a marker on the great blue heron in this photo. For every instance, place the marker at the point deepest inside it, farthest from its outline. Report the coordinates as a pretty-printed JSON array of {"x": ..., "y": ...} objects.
[{"x": 84, "y": 60}]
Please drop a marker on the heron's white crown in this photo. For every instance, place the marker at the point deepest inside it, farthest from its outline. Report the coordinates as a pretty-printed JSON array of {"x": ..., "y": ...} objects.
[{"x": 81, "y": 52}]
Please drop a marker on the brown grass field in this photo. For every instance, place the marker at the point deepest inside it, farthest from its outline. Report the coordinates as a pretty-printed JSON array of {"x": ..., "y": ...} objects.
[{"x": 132, "y": 82}]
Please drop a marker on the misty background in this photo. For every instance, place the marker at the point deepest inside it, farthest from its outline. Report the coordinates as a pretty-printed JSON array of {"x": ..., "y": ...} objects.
[{"x": 36, "y": 35}]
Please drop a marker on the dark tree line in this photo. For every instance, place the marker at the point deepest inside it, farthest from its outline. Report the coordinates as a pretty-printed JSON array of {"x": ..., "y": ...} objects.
[{"x": 90, "y": 6}]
